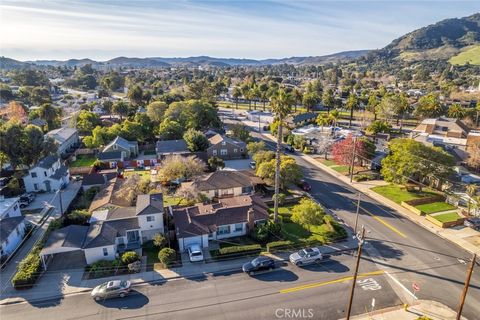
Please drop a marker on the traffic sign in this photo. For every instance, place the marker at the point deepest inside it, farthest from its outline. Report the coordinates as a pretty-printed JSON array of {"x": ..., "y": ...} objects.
[{"x": 415, "y": 287}]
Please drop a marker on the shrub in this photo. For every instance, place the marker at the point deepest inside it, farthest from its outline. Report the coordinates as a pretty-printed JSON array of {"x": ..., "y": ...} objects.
[
  {"x": 28, "y": 270},
  {"x": 129, "y": 257},
  {"x": 159, "y": 240},
  {"x": 264, "y": 231},
  {"x": 167, "y": 256},
  {"x": 364, "y": 177},
  {"x": 278, "y": 245},
  {"x": 77, "y": 217},
  {"x": 90, "y": 193},
  {"x": 252, "y": 248},
  {"x": 104, "y": 267}
]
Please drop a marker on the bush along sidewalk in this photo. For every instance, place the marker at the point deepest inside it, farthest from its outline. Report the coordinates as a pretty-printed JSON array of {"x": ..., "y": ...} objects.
[{"x": 29, "y": 269}]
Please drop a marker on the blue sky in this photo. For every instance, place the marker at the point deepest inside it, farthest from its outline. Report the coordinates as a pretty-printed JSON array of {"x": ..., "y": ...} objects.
[{"x": 64, "y": 29}]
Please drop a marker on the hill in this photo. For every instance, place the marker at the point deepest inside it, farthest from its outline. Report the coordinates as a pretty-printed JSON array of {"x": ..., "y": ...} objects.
[{"x": 7, "y": 63}]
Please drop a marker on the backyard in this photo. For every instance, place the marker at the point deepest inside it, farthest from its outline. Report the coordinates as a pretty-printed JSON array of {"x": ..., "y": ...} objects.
[
  {"x": 144, "y": 174},
  {"x": 83, "y": 161}
]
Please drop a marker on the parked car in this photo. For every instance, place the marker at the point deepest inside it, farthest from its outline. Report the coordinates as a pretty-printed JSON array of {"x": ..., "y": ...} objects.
[
  {"x": 26, "y": 199},
  {"x": 111, "y": 289},
  {"x": 289, "y": 149},
  {"x": 306, "y": 256},
  {"x": 304, "y": 185},
  {"x": 473, "y": 223},
  {"x": 252, "y": 165},
  {"x": 195, "y": 252},
  {"x": 258, "y": 264}
]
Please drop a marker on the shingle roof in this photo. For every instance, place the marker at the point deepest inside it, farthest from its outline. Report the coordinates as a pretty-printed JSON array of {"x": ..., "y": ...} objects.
[
  {"x": 7, "y": 225},
  {"x": 216, "y": 139},
  {"x": 104, "y": 233},
  {"x": 202, "y": 219},
  {"x": 47, "y": 162},
  {"x": 303, "y": 117},
  {"x": 93, "y": 179},
  {"x": 172, "y": 146},
  {"x": 149, "y": 203},
  {"x": 59, "y": 173},
  {"x": 62, "y": 134},
  {"x": 223, "y": 179},
  {"x": 72, "y": 236},
  {"x": 110, "y": 155},
  {"x": 124, "y": 143}
]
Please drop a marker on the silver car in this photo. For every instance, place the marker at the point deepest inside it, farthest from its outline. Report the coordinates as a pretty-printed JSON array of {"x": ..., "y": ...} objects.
[
  {"x": 306, "y": 256},
  {"x": 111, "y": 289}
]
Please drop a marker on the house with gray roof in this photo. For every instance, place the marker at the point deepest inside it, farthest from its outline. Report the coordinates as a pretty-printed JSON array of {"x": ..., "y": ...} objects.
[
  {"x": 66, "y": 139},
  {"x": 12, "y": 226},
  {"x": 48, "y": 175},
  {"x": 129, "y": 149},
  {"x": 113, "y": 230},
  {"x": 167, "y": 147},
  {"x": 227, "y": 218}
]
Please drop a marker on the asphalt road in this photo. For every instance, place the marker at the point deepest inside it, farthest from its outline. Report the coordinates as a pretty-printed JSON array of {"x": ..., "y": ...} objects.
[
  {"x": 406, "y": 250},
  {"x": 319, "y": 290}
]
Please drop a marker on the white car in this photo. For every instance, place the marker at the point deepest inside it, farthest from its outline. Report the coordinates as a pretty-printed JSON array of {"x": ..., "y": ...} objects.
[
  {"x": 306, "y": 256},
  {"x": 195, "y": 252}
]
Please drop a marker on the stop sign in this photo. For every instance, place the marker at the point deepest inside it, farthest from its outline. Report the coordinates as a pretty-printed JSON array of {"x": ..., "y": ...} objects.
[{"x": 415, "y": 287}]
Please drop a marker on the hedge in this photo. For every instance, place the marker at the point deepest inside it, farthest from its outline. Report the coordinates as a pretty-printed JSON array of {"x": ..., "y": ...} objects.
[
  {"x": 253, "y": 248},
  {"x": 129, "y": 257},
  {"x": 278, "y": 245},
  {"x": 167, "y": 256},
  {"x": 29, "y": 270}
]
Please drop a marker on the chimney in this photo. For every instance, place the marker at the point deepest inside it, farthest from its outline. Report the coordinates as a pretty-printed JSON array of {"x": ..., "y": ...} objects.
[{"x": 250, "y": 219}]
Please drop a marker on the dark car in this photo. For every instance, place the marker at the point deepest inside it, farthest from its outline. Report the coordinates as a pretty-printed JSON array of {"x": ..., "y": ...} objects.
[
  {"x": 473, "y": 223},
  {"x": 289, "y": 149},
  {"x": 258, "y": 264},
  {"x": 304, "y": 185}
]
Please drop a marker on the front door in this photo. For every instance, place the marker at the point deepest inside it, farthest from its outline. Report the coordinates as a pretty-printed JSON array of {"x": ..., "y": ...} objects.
[{"x": 48, "y": 187}]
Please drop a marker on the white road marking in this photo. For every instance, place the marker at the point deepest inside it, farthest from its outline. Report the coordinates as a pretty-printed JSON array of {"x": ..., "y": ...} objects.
[{"x": 401, "y": 285}]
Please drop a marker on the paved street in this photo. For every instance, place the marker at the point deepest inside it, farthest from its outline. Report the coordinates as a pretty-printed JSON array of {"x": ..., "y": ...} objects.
[
  {"x": 324, "y": 288},
  {"x": 406, "y": 250}
]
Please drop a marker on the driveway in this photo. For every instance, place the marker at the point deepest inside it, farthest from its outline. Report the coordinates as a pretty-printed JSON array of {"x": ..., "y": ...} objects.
[{"x": 67, "y": 261}]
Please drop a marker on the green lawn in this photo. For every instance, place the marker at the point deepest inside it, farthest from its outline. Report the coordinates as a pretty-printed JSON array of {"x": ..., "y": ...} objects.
[
  {"x": 328, "y": 162},
  {"x": 341, "y": 169},
  {"x": 149, "y": 250},
  {"x": 471, "y": 56},
  {"x": 169, "y": 200},
  {"x": 83, "y": 161},
  {"x": 429, "y": 208},
  {"x": 145, "y": 174},
  {"x": 447, "y": 217},
  {"x": 396, "y": 194}
]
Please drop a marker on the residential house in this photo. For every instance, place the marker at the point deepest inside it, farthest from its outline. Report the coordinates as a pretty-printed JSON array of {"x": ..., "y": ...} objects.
[
  {"x": 230, "y": 217},
  {"x": 226, "y": 148},
  {"x": 222, "y": 184},
  {"x": 168, "y": 147},
  {"x": 65, "y": 138},
  {"x": 12, "y": 226},
  {"x": 129, "y": 149},
  {"x": 97, "y": 180},
  {"x": 48, "y": 175},
  {"x": 113, "y": 230},
  {"x": 111, "y": 156},
  {"x": 301, "y": 119},
  {"x": 446, "y": 131},
  {"x": 38, "y": 122}
]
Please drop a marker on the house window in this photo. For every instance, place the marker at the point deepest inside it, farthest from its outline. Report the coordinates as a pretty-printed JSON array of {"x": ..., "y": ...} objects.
[
  {"x": 214, "y": 152},
  {"x": 235, "y": 150},
  {"x": 223, "y": 230},
  {"x": 150, "y": 218},
  {"x": 45, "y": 173},
  {"x": 33, "y": 174},
  {"x": 223, "y": 152},
  {"x": 238, "y": 227},
  {"x": 35, "y": 186},
  {"x": 105, "y": 251},
  {"x": 223, "y": 143}
]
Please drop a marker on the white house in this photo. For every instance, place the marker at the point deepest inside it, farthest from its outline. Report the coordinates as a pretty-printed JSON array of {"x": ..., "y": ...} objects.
[
  {"x": 48, "y": 175},
  {"x": 12, "y": 225},
  {"x": 65, "y": 139},
  {"x": 113, "y": 230},
  {"x": 230, "y": 217}
]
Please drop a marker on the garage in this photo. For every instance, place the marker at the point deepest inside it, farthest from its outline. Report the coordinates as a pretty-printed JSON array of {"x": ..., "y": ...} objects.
[
  {"x": 63, "y": 249},
  {"x": 183, "y": 243}
]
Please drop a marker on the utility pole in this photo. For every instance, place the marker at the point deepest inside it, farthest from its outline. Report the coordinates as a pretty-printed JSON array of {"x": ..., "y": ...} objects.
[
  {"x": 352, "y": 163},
  {"x": 360, "y": 244},
  {"x": 356, "y": 216},
  {"x": 465, "y": 288}
]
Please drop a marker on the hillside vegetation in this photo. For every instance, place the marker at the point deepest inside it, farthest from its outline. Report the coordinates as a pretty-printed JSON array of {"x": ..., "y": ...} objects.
[{"x": 470, "y": 56}]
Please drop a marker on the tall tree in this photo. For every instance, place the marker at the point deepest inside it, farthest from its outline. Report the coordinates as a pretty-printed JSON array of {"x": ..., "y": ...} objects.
[
  {"x": 310, "y": 100},
  {"x": 121, "y": 109},
  {"x": 236, "y": 93},
  {"x": 456, "y": 111},
  {"x": 351, "y": 105},
  {"x": 50, "y": 115},
  {"x": 281, "y": 105},
  {"x": 156, "y": 111},
  {"x": 429, "y": 106},
  {"x": 328, "y": 99},
  {"x": 135, "y": 94},
  {"x": 196, "y": 140}
]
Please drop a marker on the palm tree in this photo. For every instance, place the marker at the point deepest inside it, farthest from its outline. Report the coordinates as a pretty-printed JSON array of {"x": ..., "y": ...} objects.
[
  {"x": 352, "y": 104},
  {"x": 281, "y": 105},
  {"x": 456, "y": 111},
  {"x": 246, "y": 94},
  {"x": 236, "y": 93},
  {"x": 334, "y": 116},
  {"x": 297, "y": 96},
  {"x": 323, "y": 119},
  {"x": 471, "y": 190}
]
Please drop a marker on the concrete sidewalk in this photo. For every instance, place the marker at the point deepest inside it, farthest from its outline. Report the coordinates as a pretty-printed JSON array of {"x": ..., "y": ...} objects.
[
  {"x": 431, "y": 309},
  {"x": 70, "y": 282}
]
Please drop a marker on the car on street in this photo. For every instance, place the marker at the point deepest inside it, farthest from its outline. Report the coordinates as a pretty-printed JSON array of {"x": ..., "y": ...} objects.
[
  {"x": 306, "y": 256},
  {"x": 289, "y": 149},
  {"x": 26, "y": 199},
  {"x": 259, "y": 264},
  {"x": 473, "y": 223},
  {"x": 304, "y": 185},
  {"x": 252, "y": 165},
  {"x": 195, "y": 253},
  {"x": 111, "y": 289}
]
